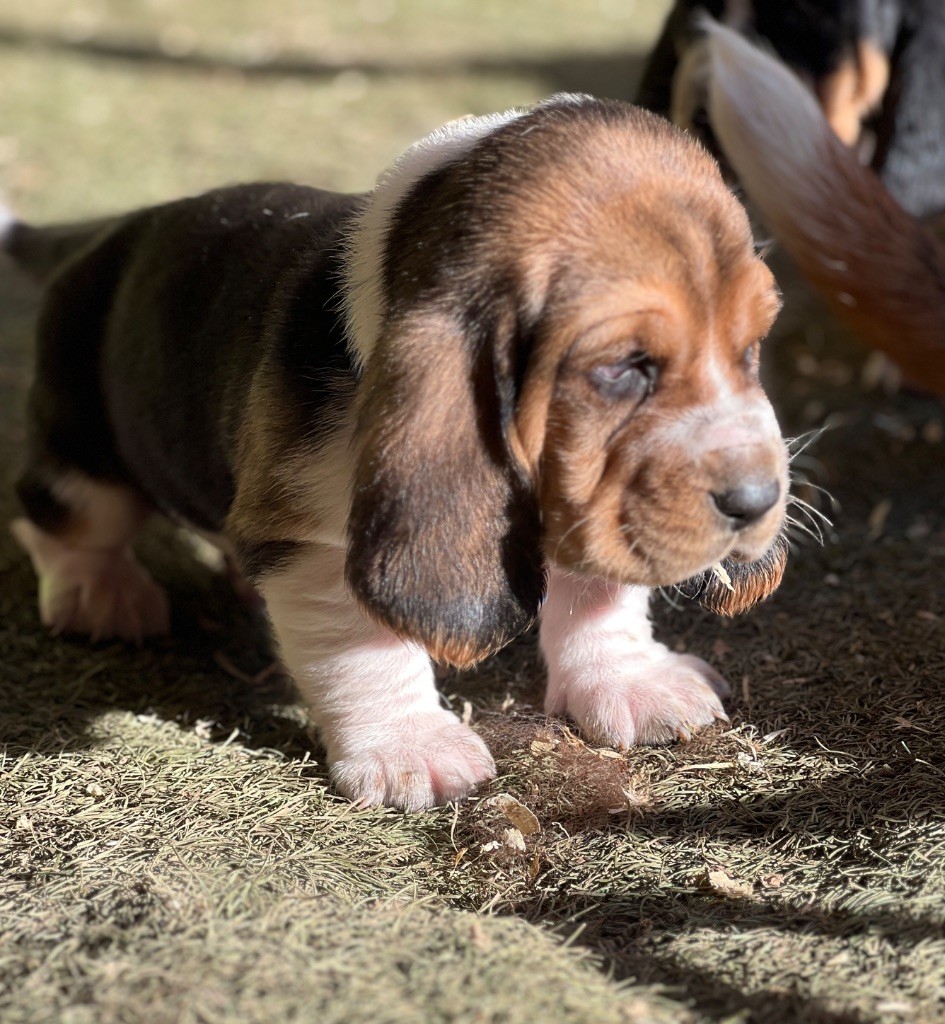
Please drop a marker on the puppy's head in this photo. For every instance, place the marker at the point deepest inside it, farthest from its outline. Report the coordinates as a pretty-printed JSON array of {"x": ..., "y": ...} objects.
[
  {"x": 839, "y": 48},
  {"x": 558, "y": 324}
]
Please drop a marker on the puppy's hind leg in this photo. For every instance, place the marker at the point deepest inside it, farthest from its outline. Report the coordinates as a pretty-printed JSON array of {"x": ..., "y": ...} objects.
[{"x": 78, "y": 534}]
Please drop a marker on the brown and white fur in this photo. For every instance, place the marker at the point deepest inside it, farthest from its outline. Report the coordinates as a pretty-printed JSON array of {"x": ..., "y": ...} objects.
[
  {"x": 522, "y": 370},
  {"x": 881, "y": 269}
]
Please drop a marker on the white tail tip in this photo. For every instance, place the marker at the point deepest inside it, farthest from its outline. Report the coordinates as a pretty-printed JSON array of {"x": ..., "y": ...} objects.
[
  {"x": 7, "y": 222},
  {"x": 761, "y": 112}
]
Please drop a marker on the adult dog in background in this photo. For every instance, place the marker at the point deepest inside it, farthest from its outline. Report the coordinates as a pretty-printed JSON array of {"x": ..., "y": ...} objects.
[
  {"x": 523, "y": 369},
  {"x": 877, "y": 68},
  {"x": 880, "y": 268}
]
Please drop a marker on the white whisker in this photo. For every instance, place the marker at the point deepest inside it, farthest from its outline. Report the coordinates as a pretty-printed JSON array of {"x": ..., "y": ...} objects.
[
  {"x": 805, "y": 441},
  {"x": 793, "y": 499},
  {"x": 574, "y": 526},
  {"x": 664, "y": 593},
  {"x": 795, "y": 525}
]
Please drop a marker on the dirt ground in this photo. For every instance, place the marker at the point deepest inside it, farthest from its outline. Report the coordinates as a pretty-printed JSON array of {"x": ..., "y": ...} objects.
[{"x": 169, "y": 849}]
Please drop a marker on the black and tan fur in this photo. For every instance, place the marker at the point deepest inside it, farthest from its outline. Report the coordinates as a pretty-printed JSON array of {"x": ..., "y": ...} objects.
[
  {"x": 881, "y": 269},
  {"x": 205, "y": 359},
  {"x": 877, "y": 68}
]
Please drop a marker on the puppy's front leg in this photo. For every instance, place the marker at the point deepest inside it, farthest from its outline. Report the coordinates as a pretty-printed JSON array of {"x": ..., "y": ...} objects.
[
  {"x": 373, "y": 697},
  {"x": 607, "y": 672}
]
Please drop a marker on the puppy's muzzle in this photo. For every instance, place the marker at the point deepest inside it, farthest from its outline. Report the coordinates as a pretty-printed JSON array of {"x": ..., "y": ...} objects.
[{"x": 733, "y": 587}]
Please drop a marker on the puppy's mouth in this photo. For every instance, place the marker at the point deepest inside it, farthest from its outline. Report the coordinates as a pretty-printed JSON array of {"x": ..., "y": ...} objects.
[
  {"x": 738, "y": 582},
  {"x": 747, "y": 549},
  {"x": 665, "y": 556}
]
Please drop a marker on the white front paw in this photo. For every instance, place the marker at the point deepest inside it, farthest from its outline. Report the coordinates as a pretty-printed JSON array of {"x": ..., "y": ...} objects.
[
  {"x": 656, "y": 699},
  {"x": 418, "y": 761}
]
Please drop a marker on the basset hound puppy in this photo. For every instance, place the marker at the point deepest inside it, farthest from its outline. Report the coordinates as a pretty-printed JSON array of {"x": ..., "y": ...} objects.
[
  {"x": 517, "y": 379},
  {"x": 876, "y": 68}
]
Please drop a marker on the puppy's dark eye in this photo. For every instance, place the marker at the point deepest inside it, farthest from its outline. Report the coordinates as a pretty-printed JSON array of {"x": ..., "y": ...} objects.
[
  {"x": 633, "y": 377},
  {"x": 750, "y": 355}
]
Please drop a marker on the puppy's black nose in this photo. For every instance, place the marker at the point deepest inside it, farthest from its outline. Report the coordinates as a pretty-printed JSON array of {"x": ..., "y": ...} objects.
[{"x": 747, "y": 502}]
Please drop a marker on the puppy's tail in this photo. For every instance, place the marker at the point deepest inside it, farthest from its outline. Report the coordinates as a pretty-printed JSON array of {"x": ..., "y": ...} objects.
[
  {"x": 41, "y": 251},
  {"x": 878, "y": 267},
  {"x": 8, "y": 226}
]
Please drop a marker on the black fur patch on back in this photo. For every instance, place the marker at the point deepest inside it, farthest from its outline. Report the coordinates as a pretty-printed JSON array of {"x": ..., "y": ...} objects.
[{"x": 149, "y": 340}]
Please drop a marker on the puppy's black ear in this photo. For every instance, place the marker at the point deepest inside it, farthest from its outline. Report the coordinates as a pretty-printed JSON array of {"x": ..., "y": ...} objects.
[{"x": 444, "y": 531}]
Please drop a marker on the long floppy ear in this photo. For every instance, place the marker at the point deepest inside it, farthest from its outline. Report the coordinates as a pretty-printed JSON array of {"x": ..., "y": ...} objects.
[{"x": 444, "y": 531}]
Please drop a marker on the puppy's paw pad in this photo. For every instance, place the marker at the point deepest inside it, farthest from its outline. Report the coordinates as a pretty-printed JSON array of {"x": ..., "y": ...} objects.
[
  {"x": 425, "y": 760},
  {"x": 647, "y": 702}
]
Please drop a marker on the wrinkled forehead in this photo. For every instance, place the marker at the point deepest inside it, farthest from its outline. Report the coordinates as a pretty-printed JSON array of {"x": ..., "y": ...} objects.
[
  {"x": 577, "y": 162},
  {"x": 620, "y": 208},
  {"x": 653, "y": 229},
  {"x": 572, "y": 169},
  {"x": 574, "y": 194}
]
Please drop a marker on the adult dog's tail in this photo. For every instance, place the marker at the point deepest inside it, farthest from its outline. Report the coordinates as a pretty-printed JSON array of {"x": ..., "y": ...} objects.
[
  {"x": 40, "y": 251},
  {"x": 880, "y": 268}
]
